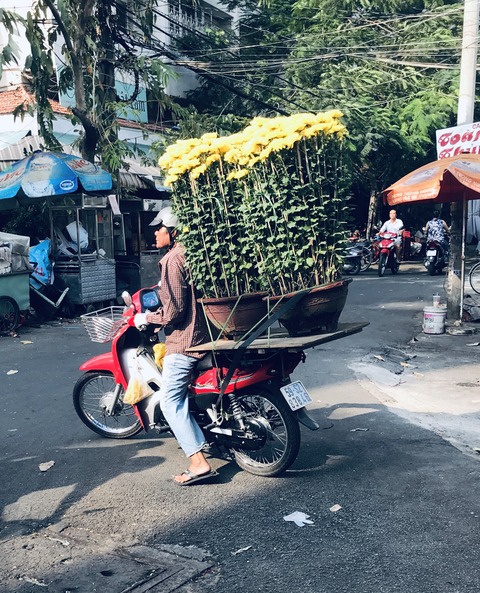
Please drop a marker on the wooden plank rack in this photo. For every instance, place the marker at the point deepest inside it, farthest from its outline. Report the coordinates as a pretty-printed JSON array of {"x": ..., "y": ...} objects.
[{"x": 278, "y": 339}]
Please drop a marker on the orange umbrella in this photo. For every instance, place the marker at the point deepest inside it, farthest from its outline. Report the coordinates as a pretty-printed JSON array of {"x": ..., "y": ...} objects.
[
  {"x": 448, "y": 180},
  {"x": 455, "y": 179}
]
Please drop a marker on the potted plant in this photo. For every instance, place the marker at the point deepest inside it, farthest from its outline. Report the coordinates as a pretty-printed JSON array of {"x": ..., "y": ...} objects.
[{"x": 263, "y": 209}]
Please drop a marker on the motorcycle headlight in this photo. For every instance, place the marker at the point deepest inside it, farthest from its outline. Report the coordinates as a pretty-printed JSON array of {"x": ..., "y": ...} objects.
[{"x": 127, "y": 298}]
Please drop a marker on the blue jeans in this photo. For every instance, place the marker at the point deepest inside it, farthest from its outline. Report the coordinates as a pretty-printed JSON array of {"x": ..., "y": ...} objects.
[{"x": 176, "y": 373}]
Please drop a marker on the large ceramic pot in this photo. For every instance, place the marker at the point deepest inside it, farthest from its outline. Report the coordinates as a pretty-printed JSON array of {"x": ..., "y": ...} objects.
[
  {"x": 236, "y": 315},
  {"x": 319, "y": 310}
]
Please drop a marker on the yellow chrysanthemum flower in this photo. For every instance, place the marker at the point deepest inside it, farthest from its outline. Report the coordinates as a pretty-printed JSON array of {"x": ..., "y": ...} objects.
[
  {"x": 195, "y": 173},
  {"x": 237, "y": 174},
  {"x": 248, "y": 147}
]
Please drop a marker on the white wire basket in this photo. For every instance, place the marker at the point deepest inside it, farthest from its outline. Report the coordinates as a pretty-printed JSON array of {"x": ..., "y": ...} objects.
[{"x": 102, "y": 325}]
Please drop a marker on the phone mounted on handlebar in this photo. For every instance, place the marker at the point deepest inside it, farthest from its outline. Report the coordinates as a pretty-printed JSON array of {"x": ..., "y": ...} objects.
[{"x": 149, "y": 299}]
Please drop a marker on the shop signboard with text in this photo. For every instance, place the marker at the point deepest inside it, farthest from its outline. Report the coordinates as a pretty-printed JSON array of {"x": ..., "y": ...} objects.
[{"x": 453, "y": 141}]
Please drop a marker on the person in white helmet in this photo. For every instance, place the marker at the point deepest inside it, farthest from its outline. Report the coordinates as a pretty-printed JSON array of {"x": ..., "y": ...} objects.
[{"x": 184, "y": 324}]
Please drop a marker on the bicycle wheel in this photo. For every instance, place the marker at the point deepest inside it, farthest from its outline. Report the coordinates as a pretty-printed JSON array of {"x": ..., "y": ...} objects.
[{"x": 474, "y": 278}]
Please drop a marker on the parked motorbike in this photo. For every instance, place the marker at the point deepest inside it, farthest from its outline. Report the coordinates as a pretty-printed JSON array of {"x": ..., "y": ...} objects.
[
  {"x": 353, "y": 259},
  {"x": 435, "y": 258},
  {"x": 249, "y": 411},
  {"x": 370, "y": 253},
  {"x": 387, "y": 254}
]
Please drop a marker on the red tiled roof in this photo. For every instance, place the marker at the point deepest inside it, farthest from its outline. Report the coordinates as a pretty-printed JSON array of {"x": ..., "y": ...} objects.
[{"x": 10, "y": 100}]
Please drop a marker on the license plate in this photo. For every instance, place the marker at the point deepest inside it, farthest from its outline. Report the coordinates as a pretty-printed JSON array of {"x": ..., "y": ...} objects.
[
  {"x": 431, "y": 253},
  {"x": 296, "y": 395}
]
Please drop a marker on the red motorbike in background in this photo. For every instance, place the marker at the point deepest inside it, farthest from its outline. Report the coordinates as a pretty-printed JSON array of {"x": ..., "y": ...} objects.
[
  {"x": 243, "y": 400},
  {"x": 436, "y": 257},
  {"x": 387, "y": 254}
]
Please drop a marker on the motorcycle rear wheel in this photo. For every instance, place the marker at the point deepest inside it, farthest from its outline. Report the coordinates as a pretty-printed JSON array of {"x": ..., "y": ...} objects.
[
  {"x": 356, "y": 267},
  {"x": 382, "y": 264},
  {"x": 90, "y": 397},
  {"x": 271, "y": 411},
  {"x": 431, "y": 269}
]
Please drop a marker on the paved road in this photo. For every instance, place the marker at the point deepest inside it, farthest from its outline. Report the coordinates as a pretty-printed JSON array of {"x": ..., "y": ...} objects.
[{"x": 409, "y": 512}]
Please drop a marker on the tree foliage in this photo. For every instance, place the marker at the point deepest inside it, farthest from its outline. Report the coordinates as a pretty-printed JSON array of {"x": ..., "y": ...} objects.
[
  {"x": 97, "y": 45},
  {"x": 392, "y": 68}
]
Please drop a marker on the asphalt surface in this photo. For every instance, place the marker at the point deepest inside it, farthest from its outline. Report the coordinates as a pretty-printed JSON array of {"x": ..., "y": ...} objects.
[{"x": 388, "y": 482}]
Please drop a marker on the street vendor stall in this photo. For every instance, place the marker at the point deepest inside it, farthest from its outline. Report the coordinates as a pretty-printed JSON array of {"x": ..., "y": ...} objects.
[
  {"x": 136, "y": 255},
  {"x": 87, "y": 262},
  {"x": 82, "y": 232}
]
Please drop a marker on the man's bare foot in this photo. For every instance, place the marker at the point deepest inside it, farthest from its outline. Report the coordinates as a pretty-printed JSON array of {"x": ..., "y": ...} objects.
[
  {"x": 199, "y": 467},
  {"x": 188, "y": 477}
]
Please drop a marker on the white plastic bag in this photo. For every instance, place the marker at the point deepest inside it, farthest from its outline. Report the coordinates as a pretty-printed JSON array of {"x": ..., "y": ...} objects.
[
  {"x": 82, "y": 234},
  {"x": 137, "y": 389}
]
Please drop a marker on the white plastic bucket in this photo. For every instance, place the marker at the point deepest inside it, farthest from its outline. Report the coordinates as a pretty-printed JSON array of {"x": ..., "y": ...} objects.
[{"x": 434, "y": 320}]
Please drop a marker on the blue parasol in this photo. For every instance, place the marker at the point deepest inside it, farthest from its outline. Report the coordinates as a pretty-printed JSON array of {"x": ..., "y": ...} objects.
[{"x": 44, "y": 174}]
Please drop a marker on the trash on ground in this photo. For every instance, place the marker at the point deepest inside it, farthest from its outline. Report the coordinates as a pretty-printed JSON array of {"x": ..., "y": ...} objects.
[
  {"x": 379, "y": 357},
  {"x": 474, "y": 344},
  {"x": 335, "y": 508},
  {"x": 34, "y": 582},
  {"x": 239, "y": 551},
  {"x": 64, "y": 542},
  {"x": 12, "y": 372},
  {"x": 359, "y": 429},
  {"x": 43, "y": 467},
  {"x": 418, "y": 374},
  {"x": 300, "y": 519},
  {"x": 26, "y": 342}
]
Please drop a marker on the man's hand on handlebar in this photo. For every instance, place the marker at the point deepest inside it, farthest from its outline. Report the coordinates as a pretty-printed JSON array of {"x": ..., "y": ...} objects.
[{"x": 140, "y": 320}]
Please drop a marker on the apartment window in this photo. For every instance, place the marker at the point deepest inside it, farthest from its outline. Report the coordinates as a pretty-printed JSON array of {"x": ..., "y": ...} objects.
[{"x": 185, "y": 15}]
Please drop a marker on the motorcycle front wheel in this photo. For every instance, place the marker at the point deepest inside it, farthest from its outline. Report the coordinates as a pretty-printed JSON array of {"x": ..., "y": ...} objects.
[
  {"x": 395, "y": 266},
  {"x": 269, "y": 415},
  {"x": 382, "y": 264},
  {"x": 92, "y": 395}
]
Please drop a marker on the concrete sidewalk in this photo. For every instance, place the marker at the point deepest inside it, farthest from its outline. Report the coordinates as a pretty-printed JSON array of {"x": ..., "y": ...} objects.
[{"x": 434, "y": 381}]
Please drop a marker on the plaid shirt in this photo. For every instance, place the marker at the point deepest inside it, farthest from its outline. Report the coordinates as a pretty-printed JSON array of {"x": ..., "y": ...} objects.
[{"x": 180, "y": 315}]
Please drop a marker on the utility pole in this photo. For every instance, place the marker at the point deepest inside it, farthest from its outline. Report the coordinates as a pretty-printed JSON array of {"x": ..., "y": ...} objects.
[{"x": 466, "y": 101}]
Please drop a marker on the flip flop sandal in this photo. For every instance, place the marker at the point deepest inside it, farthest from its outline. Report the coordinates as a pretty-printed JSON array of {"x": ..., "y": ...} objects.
[{"x": 194, "y": 478}]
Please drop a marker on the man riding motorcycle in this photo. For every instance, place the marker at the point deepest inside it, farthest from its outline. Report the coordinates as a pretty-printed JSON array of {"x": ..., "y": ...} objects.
[
  {"x": 184, "y": 323},
  {"x": 394, "y": 225}
]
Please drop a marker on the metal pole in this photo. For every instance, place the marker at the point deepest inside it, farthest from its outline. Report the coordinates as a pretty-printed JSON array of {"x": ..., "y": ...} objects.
[
  {"x": 462, "y": 274},
  {"x": 466, "y": 101},
  {"x": 468, "y": 62}
]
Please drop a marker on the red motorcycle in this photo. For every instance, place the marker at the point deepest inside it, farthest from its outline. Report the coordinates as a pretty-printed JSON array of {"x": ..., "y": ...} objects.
[
  {"x": 243, "y": 399},
  {"x": 387, "y": 254}
]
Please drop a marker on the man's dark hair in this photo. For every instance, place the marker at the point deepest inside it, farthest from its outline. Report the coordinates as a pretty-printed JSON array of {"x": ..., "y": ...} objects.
[{"x": 436, "y": 213}]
